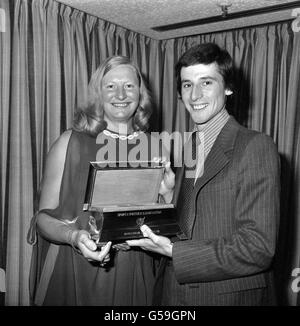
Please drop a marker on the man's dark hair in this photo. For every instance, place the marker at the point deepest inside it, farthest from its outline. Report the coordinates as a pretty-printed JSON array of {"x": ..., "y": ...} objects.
[{"x": 207, "y": 53}]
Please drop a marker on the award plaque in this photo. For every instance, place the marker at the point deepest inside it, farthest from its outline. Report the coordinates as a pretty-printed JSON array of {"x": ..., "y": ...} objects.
[{"x": 122, "y": 196}]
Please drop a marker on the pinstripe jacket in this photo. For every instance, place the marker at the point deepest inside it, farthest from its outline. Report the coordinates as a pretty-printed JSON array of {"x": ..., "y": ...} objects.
[{"x": 231, "y": 227}]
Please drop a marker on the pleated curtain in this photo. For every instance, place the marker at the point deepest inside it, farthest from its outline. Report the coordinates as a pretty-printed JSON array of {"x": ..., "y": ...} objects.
[{"x": 47, "y": 55}]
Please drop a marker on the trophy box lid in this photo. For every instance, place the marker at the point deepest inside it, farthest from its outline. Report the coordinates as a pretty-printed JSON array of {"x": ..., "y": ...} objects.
[{"x": 123, "y": 184}]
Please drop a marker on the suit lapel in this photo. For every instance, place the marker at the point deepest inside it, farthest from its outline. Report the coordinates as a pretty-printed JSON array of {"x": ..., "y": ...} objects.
[
  {"x": 215, "y": 162},
  {"x": 220, "y": 153},
  {"x": 219, "y": 156}
]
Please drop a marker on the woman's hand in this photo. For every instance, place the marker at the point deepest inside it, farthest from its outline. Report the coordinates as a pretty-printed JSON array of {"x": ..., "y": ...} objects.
[
  {"x": 168, "y": 183},
  {"x": 81, "y": 240}
]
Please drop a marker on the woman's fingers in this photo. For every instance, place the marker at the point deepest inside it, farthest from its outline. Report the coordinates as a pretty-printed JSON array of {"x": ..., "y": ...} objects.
[{"x": 89, "y": 250}]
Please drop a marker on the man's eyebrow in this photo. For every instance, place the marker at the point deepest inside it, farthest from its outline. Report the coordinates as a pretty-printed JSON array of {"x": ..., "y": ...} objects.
[
  {"x": 208, "y": 77},
  {"x": 201, "y": 78}
]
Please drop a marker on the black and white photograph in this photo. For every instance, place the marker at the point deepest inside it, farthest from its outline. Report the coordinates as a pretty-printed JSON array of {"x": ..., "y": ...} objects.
[{"x": 149, "y": 156}]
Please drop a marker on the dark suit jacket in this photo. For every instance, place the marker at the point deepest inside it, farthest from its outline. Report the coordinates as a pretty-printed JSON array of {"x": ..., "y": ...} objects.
[{"x": 231, "y": 227}]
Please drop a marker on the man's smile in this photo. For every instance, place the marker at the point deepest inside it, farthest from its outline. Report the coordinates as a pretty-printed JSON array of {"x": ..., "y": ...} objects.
[{"x": 199, "y": 106}]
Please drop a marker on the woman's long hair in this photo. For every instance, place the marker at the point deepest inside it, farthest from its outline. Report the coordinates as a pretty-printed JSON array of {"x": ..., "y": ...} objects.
[{"x": 90, "y": 118}]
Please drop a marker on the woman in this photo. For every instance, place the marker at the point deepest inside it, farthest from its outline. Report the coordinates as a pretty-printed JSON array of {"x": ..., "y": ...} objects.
[{"x": 66, "y": 268}]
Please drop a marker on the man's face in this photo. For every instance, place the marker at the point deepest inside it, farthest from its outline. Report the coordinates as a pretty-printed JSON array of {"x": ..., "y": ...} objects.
[{"x": 203, "y": 92}]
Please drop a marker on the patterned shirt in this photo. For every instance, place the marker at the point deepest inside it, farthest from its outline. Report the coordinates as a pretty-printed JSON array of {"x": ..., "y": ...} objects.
[{"x": 207, "y": 134}]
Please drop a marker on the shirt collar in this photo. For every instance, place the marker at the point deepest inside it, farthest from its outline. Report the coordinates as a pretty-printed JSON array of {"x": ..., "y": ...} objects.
[{"x": 211, "y": 129}]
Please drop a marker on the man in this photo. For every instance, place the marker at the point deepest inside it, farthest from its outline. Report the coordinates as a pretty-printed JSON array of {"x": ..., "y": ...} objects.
[{"x": 230, "y": 211}]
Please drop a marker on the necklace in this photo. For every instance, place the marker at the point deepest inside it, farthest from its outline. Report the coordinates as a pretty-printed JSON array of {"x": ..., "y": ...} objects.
[{"x": 122, "y": 137}]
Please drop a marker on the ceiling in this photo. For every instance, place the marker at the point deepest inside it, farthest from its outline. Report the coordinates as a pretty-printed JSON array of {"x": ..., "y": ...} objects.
[{"x": 142, "y": 16}]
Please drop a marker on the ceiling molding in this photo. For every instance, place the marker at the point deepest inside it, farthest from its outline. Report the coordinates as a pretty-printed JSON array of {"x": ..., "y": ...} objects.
[
  {"x": 186, "y": 17},
  {"x": 228, "y": 16}
]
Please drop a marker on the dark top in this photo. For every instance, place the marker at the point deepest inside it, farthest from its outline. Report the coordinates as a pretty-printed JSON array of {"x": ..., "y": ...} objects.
[{"x": 129, "y": 277}]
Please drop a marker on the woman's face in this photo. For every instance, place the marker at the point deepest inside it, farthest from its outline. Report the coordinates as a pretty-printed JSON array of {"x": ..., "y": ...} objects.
[{"x": 120, "y": 94}]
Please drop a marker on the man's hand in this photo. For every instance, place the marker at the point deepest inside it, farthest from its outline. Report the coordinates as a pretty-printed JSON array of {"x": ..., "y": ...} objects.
[
  {"x": 153, "y": 242},
  {"x": 121, "y": 246}
]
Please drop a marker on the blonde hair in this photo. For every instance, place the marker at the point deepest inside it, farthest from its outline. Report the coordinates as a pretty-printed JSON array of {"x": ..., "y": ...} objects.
[{"x": 90, "y": 118}]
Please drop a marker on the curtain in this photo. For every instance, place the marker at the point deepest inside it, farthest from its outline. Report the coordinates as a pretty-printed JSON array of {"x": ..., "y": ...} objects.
[
  {"x": 55, "y": 49},
  {"x": 5, "y": 51},
  {"x": 47, "y": 59}
]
